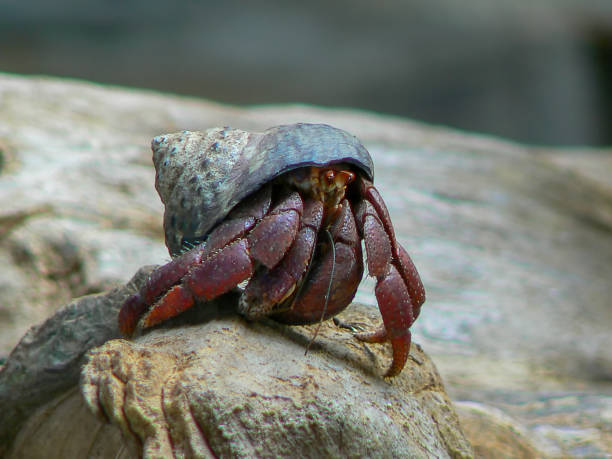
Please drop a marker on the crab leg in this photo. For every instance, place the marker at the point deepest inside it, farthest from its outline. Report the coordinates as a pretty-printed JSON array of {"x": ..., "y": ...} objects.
[
  {"x": 218, "y": 265},
  {"x": 158, "y": 282},
  {"x": 401, "y": 258},
  {"x": 399, "y": 290},
  {"x": 347, "y": 274},
  {"x": 270, "y": 287}
]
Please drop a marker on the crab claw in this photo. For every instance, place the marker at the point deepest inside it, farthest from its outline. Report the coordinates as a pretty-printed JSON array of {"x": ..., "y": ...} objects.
[
  {"x": 399, "y": 290},
  {"x": 397, "y": 312}
]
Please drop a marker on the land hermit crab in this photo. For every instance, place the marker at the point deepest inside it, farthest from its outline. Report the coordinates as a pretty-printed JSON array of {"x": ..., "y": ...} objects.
[{"x": 281, "y": 213}]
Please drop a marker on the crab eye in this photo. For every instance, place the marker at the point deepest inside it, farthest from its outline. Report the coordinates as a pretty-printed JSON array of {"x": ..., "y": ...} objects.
[
  {"x": 350, "y": 176},
  {"x": 329, "y": 177},
  {"x": 343, "y": 178}
]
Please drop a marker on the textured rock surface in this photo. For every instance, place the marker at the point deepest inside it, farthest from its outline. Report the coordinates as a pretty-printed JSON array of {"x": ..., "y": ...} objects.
[
  {"x": 47, "y": 361},
  {"x": 494, "y": 434},
  {"x": 65, "y": 427},
  {"x": 223, "y": 388},
  {"x": 513, "y": 243},
  {"x": 233, "y": 389}
]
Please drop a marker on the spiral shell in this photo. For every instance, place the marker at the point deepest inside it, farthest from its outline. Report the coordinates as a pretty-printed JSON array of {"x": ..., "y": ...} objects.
[{"x": 201, "y": 176}]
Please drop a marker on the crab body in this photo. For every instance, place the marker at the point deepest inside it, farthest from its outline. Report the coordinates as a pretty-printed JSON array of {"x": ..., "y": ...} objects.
[{"x": 284, "y": 212}]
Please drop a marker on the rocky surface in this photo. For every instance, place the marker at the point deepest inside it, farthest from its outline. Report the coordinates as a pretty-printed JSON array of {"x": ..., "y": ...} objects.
[
  {"x": 226, "y": 389},
  {"x": 513, "y": 243},
  {"x": 47, "y": 361},
  {"x": 217, "y": 386}
]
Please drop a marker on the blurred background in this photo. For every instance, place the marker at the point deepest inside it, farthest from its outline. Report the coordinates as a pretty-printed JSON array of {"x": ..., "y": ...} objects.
[{"x": 537, "y": 71}]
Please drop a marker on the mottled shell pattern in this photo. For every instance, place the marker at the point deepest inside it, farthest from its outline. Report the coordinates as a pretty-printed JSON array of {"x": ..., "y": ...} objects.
[{"x": 201, "y": 176}]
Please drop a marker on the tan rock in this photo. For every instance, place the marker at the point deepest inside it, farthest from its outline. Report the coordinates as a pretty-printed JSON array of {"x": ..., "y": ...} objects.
[
  {"x": 64, "y": 427},
  {"x": 234, "y": 389},
  {"x": 495, "y": 435},
  {"x": 228, "y": 388}
]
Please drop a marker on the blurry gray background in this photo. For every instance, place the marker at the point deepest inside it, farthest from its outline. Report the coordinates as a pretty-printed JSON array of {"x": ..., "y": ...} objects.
[{"x": 538, "y": 71}]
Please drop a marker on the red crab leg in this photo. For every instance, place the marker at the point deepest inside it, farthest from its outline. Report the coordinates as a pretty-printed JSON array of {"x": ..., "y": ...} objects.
[
  {"x": 401, "y": 258},
  {"x": 218, "y": 265},
  {"x": 222, "y": 268},
  {"x": 268, "y": 288},
  {"x": 164, "y": 279},
  {"x": 213, "y": 277},
  {"x": 158, "y": 282},
  {"x": 308, "y": 307},
  {"x": 274, "y": 234},
  {"x": 399, "y": 290}
]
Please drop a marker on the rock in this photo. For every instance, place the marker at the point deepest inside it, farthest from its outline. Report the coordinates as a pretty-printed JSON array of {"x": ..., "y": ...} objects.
[
  {"x": 496, "y": 435},
  {"x": 228, "y": 388},
  {"x": 64, "y": 427},
  {"x": 46, "y": 363},
  {"x": 232, "y": 389},
  {"x": 513, "y": 243},
  {"x": 181, "y": 390},
  {"x": 539, "y": 423}
]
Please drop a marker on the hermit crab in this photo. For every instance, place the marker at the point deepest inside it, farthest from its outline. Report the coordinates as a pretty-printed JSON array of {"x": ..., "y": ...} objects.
[{"x": 280, "y": 214}]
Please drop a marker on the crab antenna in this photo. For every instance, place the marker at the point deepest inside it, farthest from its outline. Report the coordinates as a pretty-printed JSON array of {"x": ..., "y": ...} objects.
[{"x": 331, "y": 279}]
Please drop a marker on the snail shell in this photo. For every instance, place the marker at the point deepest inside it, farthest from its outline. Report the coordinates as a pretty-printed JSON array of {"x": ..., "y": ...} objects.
[{"x": 201, "y": 176}]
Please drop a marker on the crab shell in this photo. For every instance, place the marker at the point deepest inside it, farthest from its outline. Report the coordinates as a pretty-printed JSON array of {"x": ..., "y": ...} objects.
[{"x": 201, "y": 176}]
